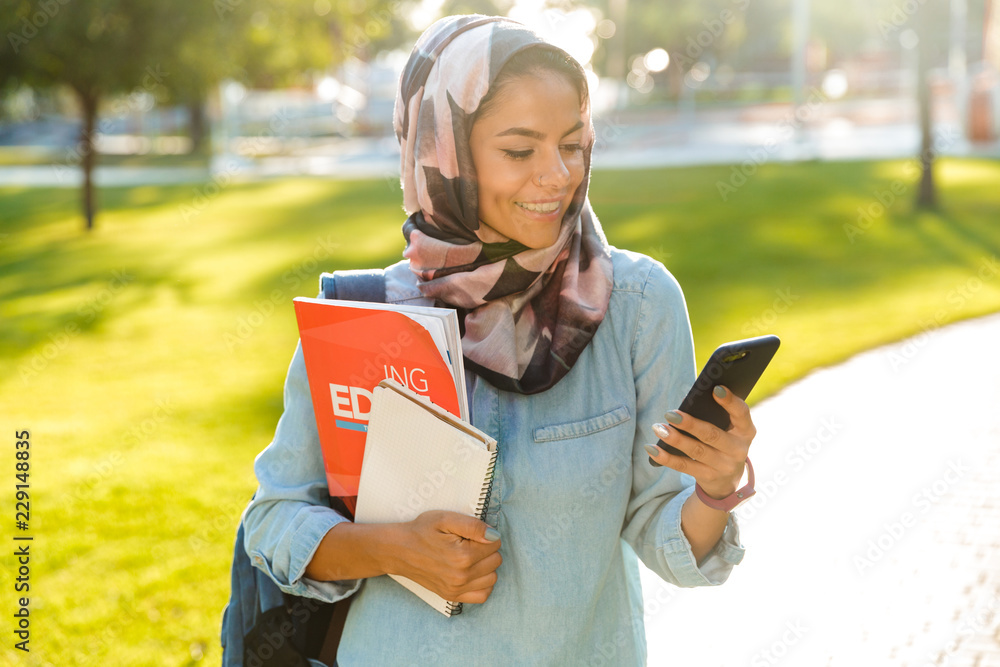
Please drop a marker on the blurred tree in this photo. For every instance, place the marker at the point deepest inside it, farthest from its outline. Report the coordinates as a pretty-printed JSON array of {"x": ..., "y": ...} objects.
[
  {"x": 689, "y": 31},
  {"x": 262, "y": 43},
  {"x": 756, "y": 35},
  {"x": 197, "y": 57},
  {"x": 174, "y": 51},
  {"x": 276, "y": 43},
  {"x": 94, "y": 48},
  {"x": 266, "y": 44},
  {"x": 929, "y": 48}
]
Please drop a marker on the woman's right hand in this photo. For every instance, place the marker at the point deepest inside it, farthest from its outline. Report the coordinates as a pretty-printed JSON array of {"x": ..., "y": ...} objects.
[{"x": 448, "y": 553}]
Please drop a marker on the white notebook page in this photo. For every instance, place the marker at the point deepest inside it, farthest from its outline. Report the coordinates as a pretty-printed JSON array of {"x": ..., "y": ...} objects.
[{"x": 419, "y": 458}]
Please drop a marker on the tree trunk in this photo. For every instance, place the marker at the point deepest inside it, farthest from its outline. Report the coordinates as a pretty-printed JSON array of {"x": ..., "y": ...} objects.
[
  {"x": 196, "y": 124},
  {"x": 88, "y": 104},
  {"x": 927, "y": 191}
]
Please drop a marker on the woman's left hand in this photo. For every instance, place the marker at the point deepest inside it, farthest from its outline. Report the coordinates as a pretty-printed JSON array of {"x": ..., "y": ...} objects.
[{"x": 717, "y": 457}]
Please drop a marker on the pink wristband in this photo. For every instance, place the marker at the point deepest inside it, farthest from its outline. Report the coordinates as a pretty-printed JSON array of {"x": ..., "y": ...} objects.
[{"x": 733, "y": 500}]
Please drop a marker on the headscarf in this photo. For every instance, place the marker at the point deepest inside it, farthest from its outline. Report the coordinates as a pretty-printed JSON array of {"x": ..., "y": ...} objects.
[{"x": 527, "y": 313}]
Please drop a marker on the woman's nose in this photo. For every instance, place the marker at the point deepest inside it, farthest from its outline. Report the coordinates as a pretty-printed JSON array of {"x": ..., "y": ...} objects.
[{"x": 555, "y": 173}]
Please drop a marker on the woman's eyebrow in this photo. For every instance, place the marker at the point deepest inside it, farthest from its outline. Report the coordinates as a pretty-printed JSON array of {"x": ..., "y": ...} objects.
[{"x": 535, "y": 134}]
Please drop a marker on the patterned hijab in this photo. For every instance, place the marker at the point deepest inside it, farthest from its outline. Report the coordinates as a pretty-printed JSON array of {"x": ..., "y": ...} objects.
[{"x": 528, "y": 313}]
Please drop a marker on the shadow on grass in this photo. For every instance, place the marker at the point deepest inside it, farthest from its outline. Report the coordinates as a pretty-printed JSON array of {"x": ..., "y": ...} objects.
[
  {"x": 355, "y": 225},
  {"x": 64, "y": 277},
  {"x": 786, "y": 228}
]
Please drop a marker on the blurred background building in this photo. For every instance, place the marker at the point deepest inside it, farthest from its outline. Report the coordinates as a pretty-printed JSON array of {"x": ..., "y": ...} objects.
[{"x": 306, "y": 86}]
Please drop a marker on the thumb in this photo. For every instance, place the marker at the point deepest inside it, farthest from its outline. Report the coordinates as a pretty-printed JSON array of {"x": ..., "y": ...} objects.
[{"x": 470, "y": 528}]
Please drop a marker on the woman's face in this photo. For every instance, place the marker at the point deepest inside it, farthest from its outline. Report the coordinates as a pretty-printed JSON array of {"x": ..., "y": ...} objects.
[{"x": 528, "y": 157}]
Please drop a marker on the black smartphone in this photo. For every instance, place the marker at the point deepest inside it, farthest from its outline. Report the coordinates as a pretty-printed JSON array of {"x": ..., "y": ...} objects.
[{"x": 737, "y": 366}]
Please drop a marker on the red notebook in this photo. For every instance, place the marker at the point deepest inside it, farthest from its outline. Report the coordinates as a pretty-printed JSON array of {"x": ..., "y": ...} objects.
[{"x": 349, "y": 347}]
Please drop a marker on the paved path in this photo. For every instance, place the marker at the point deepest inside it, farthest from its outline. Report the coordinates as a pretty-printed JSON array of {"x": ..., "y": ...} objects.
[
  {"x": 874, "y": 536},
  {"x": 628, "y": 139}
]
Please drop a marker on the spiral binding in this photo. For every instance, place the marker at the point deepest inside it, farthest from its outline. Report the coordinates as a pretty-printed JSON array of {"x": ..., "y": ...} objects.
[
  {"x": 487, "y": 491},
  {"x": 455, "y": 608}
]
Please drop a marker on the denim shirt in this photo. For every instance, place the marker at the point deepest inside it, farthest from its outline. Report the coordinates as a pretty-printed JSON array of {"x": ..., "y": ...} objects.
[{"x": 574, "y": 498}]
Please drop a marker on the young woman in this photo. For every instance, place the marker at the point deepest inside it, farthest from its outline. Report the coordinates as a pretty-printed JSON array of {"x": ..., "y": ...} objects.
[{"x": 575, "y": 352}]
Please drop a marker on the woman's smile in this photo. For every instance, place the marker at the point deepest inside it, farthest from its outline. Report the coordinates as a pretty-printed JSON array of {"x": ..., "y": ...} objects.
[{"x": 545, "y": 208}]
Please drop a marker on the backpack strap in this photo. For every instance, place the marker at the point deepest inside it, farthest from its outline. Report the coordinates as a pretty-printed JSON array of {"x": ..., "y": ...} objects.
[
  {"x": 255, "y": 605},
  {"x": 258, "y": 610},
  {"x": 367, "y": 285}
]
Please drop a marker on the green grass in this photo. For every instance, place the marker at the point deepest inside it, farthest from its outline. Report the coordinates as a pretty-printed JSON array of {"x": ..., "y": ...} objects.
[
  {"x": 17, "y": 156},
  {"x": 790, "y": 240},
  {"x": 147, "y": 357}
]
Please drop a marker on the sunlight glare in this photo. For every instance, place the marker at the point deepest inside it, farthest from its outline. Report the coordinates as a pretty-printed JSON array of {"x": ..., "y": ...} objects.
[
  {"x": 424, "y": 13},
  {"x": 656, "y": 60},
  {"x": 835, "y": 84},
  {"x": 571, "y": 31}
]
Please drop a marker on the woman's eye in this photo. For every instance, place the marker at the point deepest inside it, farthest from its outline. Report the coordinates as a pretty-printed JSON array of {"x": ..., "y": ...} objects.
[
  {"x": 572, "y": 148},
  {"x": 517, "y": 155}
]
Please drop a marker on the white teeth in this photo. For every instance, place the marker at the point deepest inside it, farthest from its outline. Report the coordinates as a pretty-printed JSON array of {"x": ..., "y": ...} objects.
[{"x": 539, "y": 208}]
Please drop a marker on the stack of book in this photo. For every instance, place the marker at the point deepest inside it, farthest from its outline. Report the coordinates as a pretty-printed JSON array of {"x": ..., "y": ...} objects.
[{"x": 388, "y": 390}]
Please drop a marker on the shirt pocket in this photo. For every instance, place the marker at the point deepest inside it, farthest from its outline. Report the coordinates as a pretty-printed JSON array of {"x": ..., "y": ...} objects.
[
  {"x": 583, "y": 427},
  {"x": 581, "y": 472}
]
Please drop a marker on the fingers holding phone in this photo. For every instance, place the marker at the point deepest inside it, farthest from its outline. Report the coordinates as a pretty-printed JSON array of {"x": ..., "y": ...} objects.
[
  {"x": 709, "y": 436},
  {"x": 734, "y": 367},
  {"x": 714, "y": 457},
  {"x": 740, "y": 423}
]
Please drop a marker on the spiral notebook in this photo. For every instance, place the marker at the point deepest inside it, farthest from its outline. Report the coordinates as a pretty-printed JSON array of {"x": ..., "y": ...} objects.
[{"x": 420, "y": 457}]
